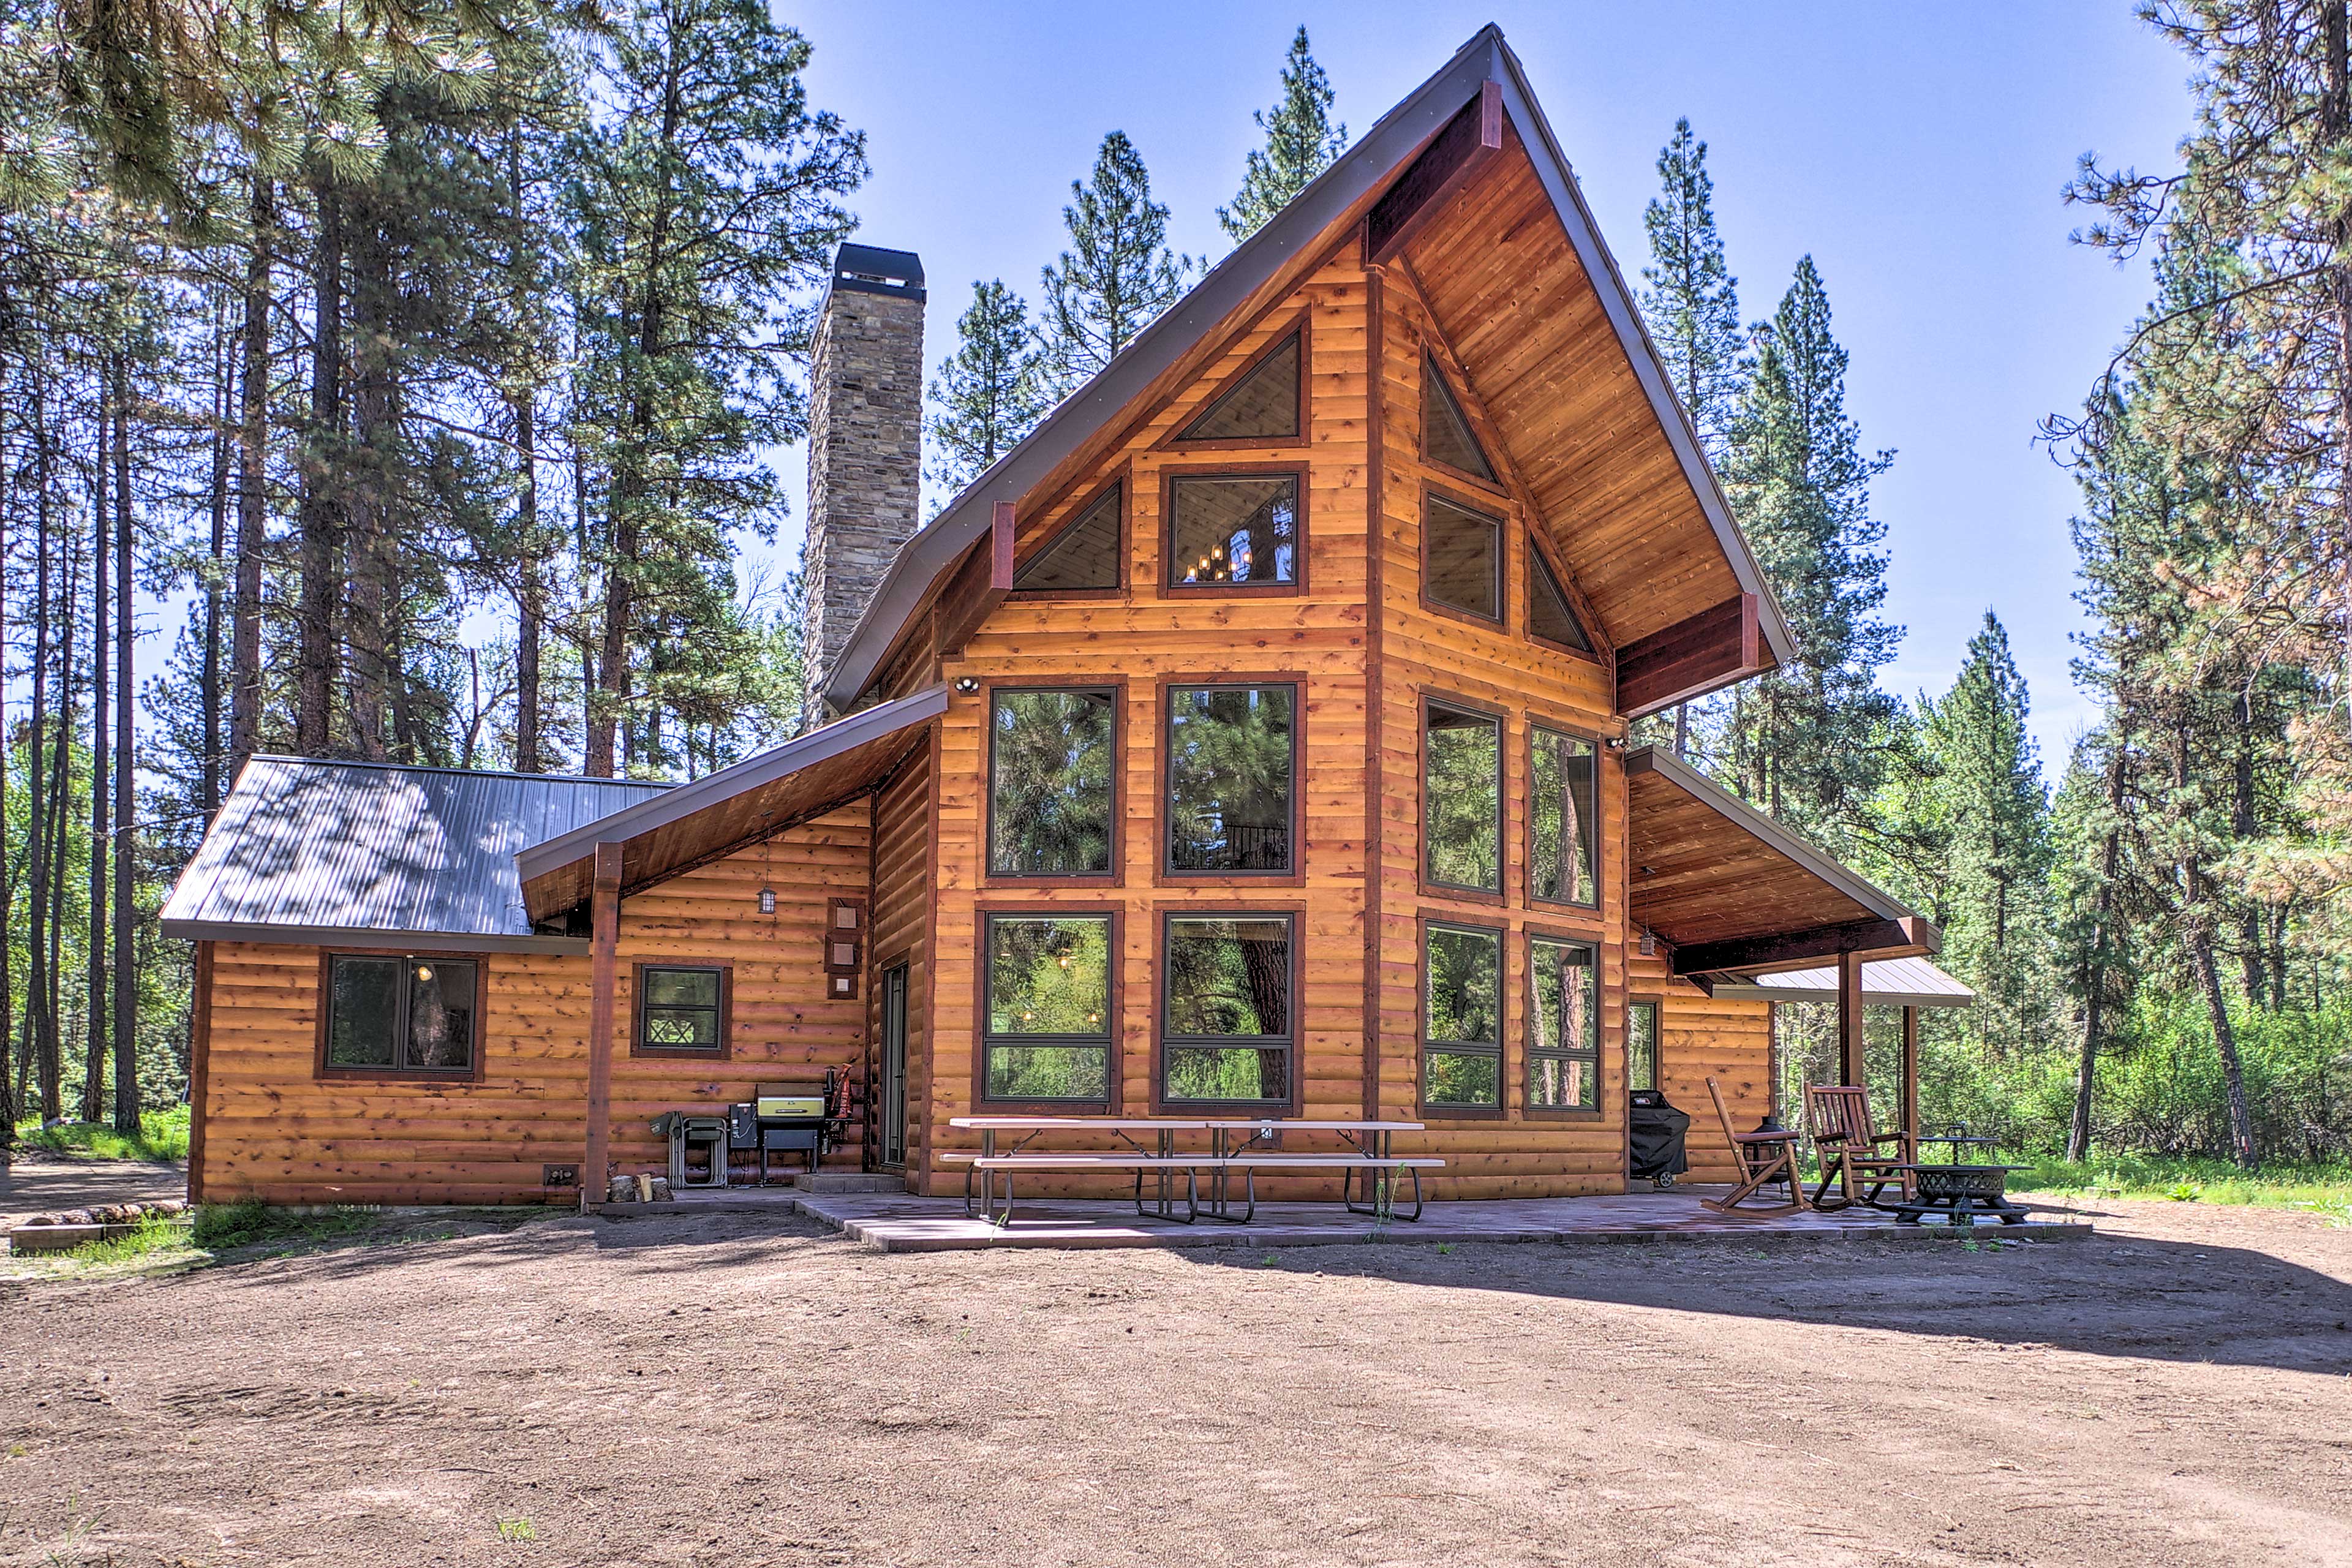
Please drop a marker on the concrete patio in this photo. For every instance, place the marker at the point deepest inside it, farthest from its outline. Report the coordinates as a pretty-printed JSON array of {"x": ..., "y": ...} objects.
[{"x": 899, "y": 1222}]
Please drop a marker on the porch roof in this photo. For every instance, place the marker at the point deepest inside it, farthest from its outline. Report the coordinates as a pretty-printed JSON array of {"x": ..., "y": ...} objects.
[
  {"x": 1734, "y": 890},
  {"x": 1893, "y": 982},
  {"x": 693, "y": 823}
]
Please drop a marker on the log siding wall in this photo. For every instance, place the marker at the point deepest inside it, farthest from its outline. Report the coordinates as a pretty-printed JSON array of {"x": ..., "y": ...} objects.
[{"x": 274, "y": 1129}]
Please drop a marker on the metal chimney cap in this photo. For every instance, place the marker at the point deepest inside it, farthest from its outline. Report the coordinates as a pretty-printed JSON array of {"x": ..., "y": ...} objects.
[{"x": 870, "y": 269}]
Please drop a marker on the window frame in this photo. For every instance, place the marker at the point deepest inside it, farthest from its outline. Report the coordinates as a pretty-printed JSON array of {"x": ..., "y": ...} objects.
[
  {"x": 1656, "y": 1005},
  {"x": 1482, "y": 439},
  {"x": 1294, "y": 915},
  {"x": 1600, "y": 745},
  {"x": 1170, "y": 477},
  {"x": 985, "y": 916},
  {"x": 1451, "y": 1111},
  {"x": 638, "y": 1044},
  {"x": 1571, "y": 596},
  {"x": 322, "y": 1070},
  {"x": 1429, "y": 885},
  {"x": 1300, "y": 326},
  {"x": 1500, "y": 514},
  {"x": 1167, "y": 876},
  {"x": 1076, "y": 514},
  {"x": 1528, "y": 1054},
  {"x": 1114, "y": 687}
]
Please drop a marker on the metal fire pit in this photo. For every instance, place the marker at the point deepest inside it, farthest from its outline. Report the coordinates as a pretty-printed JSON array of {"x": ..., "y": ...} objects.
[{"x": 1961, "y": 1194}]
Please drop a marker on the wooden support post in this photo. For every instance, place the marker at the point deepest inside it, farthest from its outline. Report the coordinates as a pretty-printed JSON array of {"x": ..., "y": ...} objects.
[
  {"x": 1850, "y": 1069},
  {"x": 200, "y": 1065},
  {"x": 605, "y": 914},
  {"x": 1910, "y": 1112}
]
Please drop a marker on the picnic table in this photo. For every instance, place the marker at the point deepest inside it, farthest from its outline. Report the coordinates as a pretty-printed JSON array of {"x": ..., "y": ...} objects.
[{"x": 1369, "y": 1153}]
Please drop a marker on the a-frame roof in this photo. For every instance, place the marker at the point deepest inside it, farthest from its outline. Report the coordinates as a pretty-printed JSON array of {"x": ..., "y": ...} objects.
[{"x": 1592, "y": 419}]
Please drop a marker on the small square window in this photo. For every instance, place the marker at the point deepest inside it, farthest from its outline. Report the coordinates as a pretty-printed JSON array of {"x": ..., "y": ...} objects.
[{"x": 681, "y": 1010}]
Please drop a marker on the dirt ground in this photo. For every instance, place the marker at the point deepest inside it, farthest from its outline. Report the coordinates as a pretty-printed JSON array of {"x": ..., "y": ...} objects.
[{"x": 733, "y": 1389}]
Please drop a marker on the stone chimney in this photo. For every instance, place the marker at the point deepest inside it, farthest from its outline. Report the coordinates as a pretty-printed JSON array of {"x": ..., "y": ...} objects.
[{"x": 864, "y": 451}]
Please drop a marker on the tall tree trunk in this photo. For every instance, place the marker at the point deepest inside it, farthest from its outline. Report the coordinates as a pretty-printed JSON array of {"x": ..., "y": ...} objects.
[
  {"x": 2233, "y": 1073},
  {"x": 531, "y": 589},
  {"x": 210, "y": 706},
  {"x": 369, "y": 634},
  {"x": 2245, "y": 826},
  {"x": 323, "y": 469},
  {"x": 126, "y": 631},
  {"x": 2078, "y": 1129},
  {"x": 2335, "y": 117},
  {"x": 252, "y": 518},
  {"x": 40, "y": 1022},
  {"x": 60, "y": 804},
  {"x": 112, "y": 472},
  {"x": 11, "y": 1101}
]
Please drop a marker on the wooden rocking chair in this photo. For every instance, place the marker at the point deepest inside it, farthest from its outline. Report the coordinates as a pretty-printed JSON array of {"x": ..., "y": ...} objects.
[
  {"x": 1764, "y": 1159},
  {"x": 1850, "y": 1149}
]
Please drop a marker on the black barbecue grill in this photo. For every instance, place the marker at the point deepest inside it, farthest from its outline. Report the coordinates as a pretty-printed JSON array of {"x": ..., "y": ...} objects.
[{"x": 803, "y": 1117}]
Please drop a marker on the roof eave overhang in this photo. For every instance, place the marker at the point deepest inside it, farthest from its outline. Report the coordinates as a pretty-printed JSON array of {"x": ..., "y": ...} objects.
[
  {"x": 1392, "y": 143},
  {"x": 370, "y": 937}
]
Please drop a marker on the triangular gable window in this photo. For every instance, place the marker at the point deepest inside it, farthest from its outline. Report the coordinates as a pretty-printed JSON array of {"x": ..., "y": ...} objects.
[
  {"x": 1262, "y": 405},
  {"x": 1444, "y": 431},
  {"x": 1083, "y": 555},
  {"x": 1549, "y": 617}
]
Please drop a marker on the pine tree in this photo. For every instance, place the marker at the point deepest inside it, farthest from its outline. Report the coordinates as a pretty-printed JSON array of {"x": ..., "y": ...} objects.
[
  {"x": 1118, "y": 273},
  {"x": 987, "y": 395},
  {"x": 1801, "y": 742},
  {"x": 1300, "y": 143},
  {"x": 1692, "y": 300}
]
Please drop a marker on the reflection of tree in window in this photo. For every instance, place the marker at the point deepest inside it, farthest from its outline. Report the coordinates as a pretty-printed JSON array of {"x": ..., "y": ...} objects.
[
  {"x": 1563, "y": 1025},
  {"x": 1560, "y": 819},
  {"x": 1462, "y": 799},
  {"x": 1050, "y": 784},
  {"x": 413, "y": 1014},
  {"x": 1642, "y": 1045},
  {"x": 1462, "y": 1025},
  {"x": 1229, "y": 778},
  {"x": 1226, "y": 1030},
  {"x": 1049, "y": 1024},
  {"x": 681, "y": 1008},
  {"x": 1233, "y": 530}
]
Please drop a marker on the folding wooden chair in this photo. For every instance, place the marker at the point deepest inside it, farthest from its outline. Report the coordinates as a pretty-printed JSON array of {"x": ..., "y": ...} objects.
[
  {"x": 1764, "y": 1159},
  {"x": 1848, "y": 1147}
]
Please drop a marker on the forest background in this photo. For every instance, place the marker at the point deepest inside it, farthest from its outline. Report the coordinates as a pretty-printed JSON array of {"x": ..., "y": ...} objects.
[{"x": 438, "y": 357}]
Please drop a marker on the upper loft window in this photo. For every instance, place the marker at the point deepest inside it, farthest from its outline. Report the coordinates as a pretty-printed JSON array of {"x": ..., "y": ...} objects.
[
  {"x": 1261, "y": 405},
  {"x": 1445, "y": 435},
  {"x": 1049, "y": 783},
  {"x": 1550, "y": 619},
  {"x": 1233, "y": 530},
  {"x": 1083, "y": 556},
  {"x": 408, "y": 1014},
  {"x": 1462, "y": 558}
]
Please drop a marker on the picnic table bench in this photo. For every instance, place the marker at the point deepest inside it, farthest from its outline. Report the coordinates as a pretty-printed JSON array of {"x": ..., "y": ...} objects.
[{"x": 1369, "y": 1154}]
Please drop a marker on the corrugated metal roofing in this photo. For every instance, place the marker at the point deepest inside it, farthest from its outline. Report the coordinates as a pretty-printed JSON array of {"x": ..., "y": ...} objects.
[
  {"x": 1912, "y": 982},
  {"x": 306, "y": 850}
]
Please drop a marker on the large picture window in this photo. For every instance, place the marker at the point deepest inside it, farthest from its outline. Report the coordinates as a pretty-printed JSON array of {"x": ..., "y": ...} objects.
[
  {"x": 1228, "y": 1023},
  {"x": 1461, "y": 1018},
  {"x": 1048, "y": 1005},
  {"x": 1560, "y": 819},
  {"x": 681, "y": 1011},
  {"x": 413, "y": 1013},
  {"x": 1231, "y": 756},
  {"x": 1461, "y": 798},
  {"x": 1233, "y": 530},
  {"x": 1563, "y": 1025},
  {"x": 1051, "y": 766}
]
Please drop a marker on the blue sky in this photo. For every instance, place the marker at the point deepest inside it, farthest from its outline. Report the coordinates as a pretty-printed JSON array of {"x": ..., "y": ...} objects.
[{"x": 1917, "y": 154}]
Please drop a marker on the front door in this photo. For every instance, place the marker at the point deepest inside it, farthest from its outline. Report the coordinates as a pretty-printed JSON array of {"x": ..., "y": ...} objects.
[{"x": 891, "y": 1144}]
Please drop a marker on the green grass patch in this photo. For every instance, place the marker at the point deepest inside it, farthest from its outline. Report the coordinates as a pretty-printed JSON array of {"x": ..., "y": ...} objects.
[
  {"x": 224, "y": 1228},
  {"x": 163, "y": 1135},
  {"x": 2325, "y": 1187}
]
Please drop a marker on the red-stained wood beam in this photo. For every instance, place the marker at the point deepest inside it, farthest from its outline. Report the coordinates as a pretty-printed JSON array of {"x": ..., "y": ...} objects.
[
  {"x": 1463, "y": 145},
  {"x": 200, "y": 1065},
  {"x": 1000, "y": 547},
  {"x": 1692, "y": 657},
  {"x": 605, "y": 912},
  {"x": 1850, "y": 1019}
]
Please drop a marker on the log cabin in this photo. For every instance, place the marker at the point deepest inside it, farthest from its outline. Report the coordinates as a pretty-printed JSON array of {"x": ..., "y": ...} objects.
[{"x": 1253, "y": 740}]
